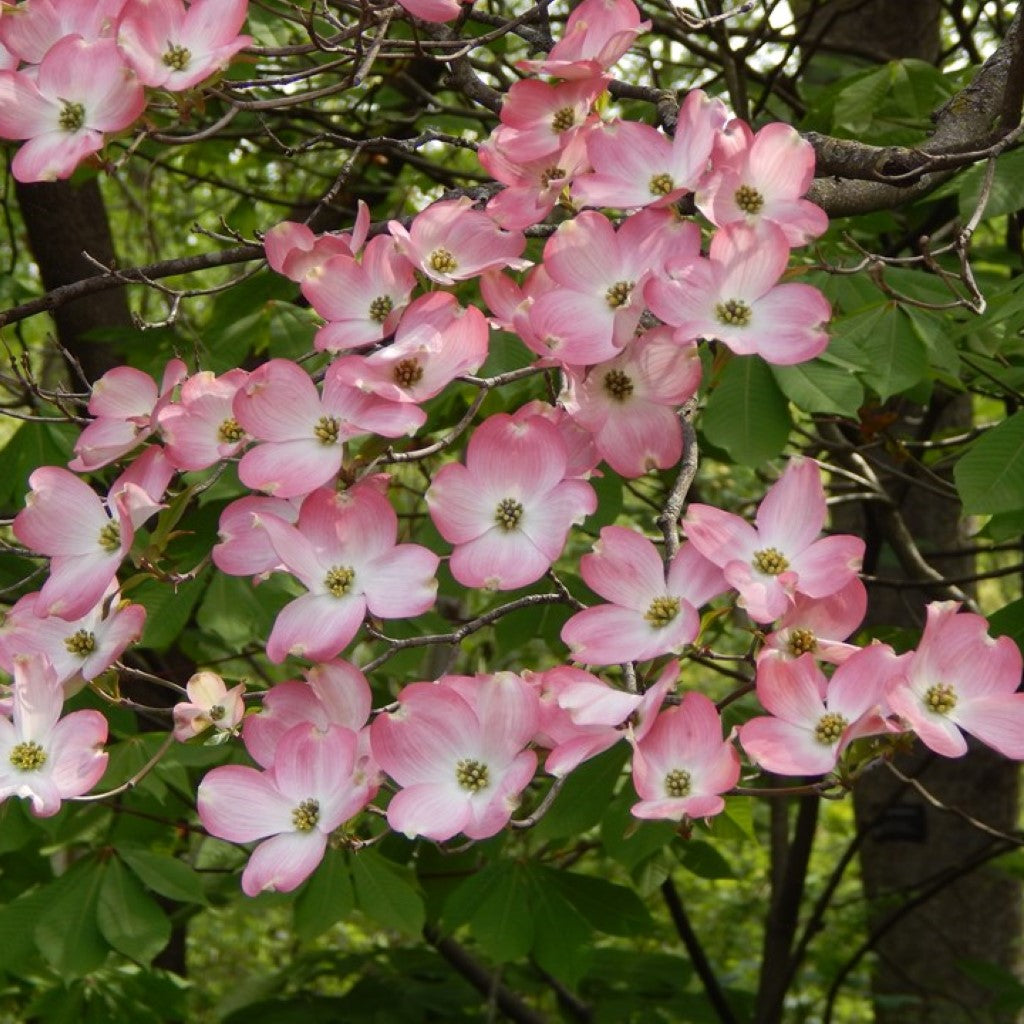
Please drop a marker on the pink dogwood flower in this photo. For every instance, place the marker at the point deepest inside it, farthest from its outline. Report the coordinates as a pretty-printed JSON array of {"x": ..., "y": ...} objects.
[
  {"x": 201, "y": 430},
  {"x": 597, "y": 33},
  {"x": 650, "y": 613},
  {"x": 782, "y": 556},
  {"x": 210, "y": 703},
  {"x": 126, "y": 405},
  {"x": 812, "y": 719},
  {"x": 82, "y": 91},
  {"x": 508, "y": 510},
  {"x": 762, "y": 178},
  {"x": 300, "y": 434},
  {"x": 457, "y": 749},
  {"x": 635, "y": 165},
  {"x": 450, "y": 241},
  {"x": 295, "y": 252},
  {"x": 45, "y": 758},
  {"x": 77, "y": 650},
  {"x": 37, "y": 25},
  {"x": 175, "y": 47},
  {"x": 733, "y": 296},
  {"x": 682, "y": 766},
  {"x": 629, "y": 403},
  {"x": 243, "y": 548},
  {"x": 819, "y": 626},
  {"x": 343, "y": 550},
  {"x": 293, "y": 806},
  {"x": 960, "y": 680}
]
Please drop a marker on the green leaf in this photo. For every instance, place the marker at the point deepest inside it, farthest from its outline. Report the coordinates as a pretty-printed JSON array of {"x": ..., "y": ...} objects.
[
  {"x": 816, "y": 386},
  {"x": 747, "y": 414},
  {"x": 1009, "y": 621},
  {"x": 893, "y": 349},
  {"x": 165, "y": 875},
  {"x": 856, "y": 104},
  {"x": 704, "y": 860},
  {"x": 584, "y": 798},
  {"x": 130, "y": 920},
  {"x": 66, "y": 931},
  {"x": 562, "y": 937},
  {"x": 325, "y": 899},
  {"x": 495, "y": 903},
  {"x": 386, "y": 893},
  {"x": 168, "y": 609},
  {"x": 990, "y": 476},
  {"x": 609, "y": 908}
]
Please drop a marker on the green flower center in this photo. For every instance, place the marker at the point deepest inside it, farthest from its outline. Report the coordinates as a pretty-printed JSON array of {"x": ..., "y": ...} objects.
[
  {"x": 381, "y": 308},
  {"x": 82, "y": 643},
  {"x": 306, "y": 816},
  {"x": 733, "y": 313},
  {"x": 661, "y": 184},
  {"x": 748, "y": 199},
  {"x": 408, "y": 372},
  {"x": 443, "y": 261},
  {"x": 339, "y": 580},
  {"x": 326, "y": 430},
  {"x": 618, "y": 385},
  {"x": 230, "y": 431},
  {"x": 562, "y": 120},
  {"x": 472, "y": 775},
  {"x": 770, "y": 561},
  {"x": 678, "y": 783},
  {"x": 28, "y": 756},
  {"x": 618, "y": 294},
  {"x": 177, "y": 57},
  {"x": 71, "y": 116},
  {"x": 940, "y": 698},
  {"x": 830, "y": 728},
  {"x": 110, "y": 537},
  {"x": 662, "y": 611},
  {"x": 802, "y": 641},
  {"x": 509, "y": 514}
]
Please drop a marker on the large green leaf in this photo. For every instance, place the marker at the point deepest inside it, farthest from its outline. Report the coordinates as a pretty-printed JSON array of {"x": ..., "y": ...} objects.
[
  {"x": 165, "y": 875},
  {"x": 584, "y": 797},
  {"x": 66, "y": 932},
  {"x": 609, "y": 908},
  {"x": 496, "y": 904},
  {"x": 816, "y": 386},
  {"x": 892, "y": 348},
  {"x": 990, "y": 476},
  {"x": 746, "y": 414},
  {"x": 387, "y": 893},
  {"x": 130, "y": 920},
  {"x": 326, "y": 898}
]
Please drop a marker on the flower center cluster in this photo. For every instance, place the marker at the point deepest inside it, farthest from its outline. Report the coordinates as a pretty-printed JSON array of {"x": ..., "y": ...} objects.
[
  {"x": 802, "y": 641},
  {"x": 443, "y": 261},
  {"x": 306, "y": 816},
  {"x": 678, "y": 783},
  {"x": 509, "y": 514},
  {"x": 562, "y": 120},
  {"x": 748, "y": 199},
  {"x": 733, "y": 313},
  {"x": 661, "y": 184},
  {"x": 662, "y": 611},
  {"x": 618, "y": 384},
  {"x": 217, "y": 712},
  {"x": 177, "y": 57},
  {"x": 408, "y": 372},
  {"x": 326, "y": 430},
  {"x": 82, "y": 643},
  {"x": 230, "y": 431},
  {"x": 381, "y": 308},
  {"x": 940, "y": 698},
  {"x": 28, "y": 756},
  {"x": 110, "y": 537},
  {"x": 550, "y": 174},
  {"x": 830, "y": 728},
  {"x": 71, "y": 116},
  {"x": 618, "y": 294},
  {"x": 770, "y": 561},
  {"x": 338, "y": 580},
  {"x": 472, "y": 775}
]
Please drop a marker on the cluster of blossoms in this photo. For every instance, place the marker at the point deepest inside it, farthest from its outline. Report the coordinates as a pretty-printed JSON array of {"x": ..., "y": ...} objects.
[
  {"x": 73, "y": 72},
  {"x": 457, "y": 753}
]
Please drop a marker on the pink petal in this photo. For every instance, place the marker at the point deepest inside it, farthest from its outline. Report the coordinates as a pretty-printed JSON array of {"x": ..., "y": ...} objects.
[
  {"x": 241, "y": 804},
  {"x": 283, "y": 862}
]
